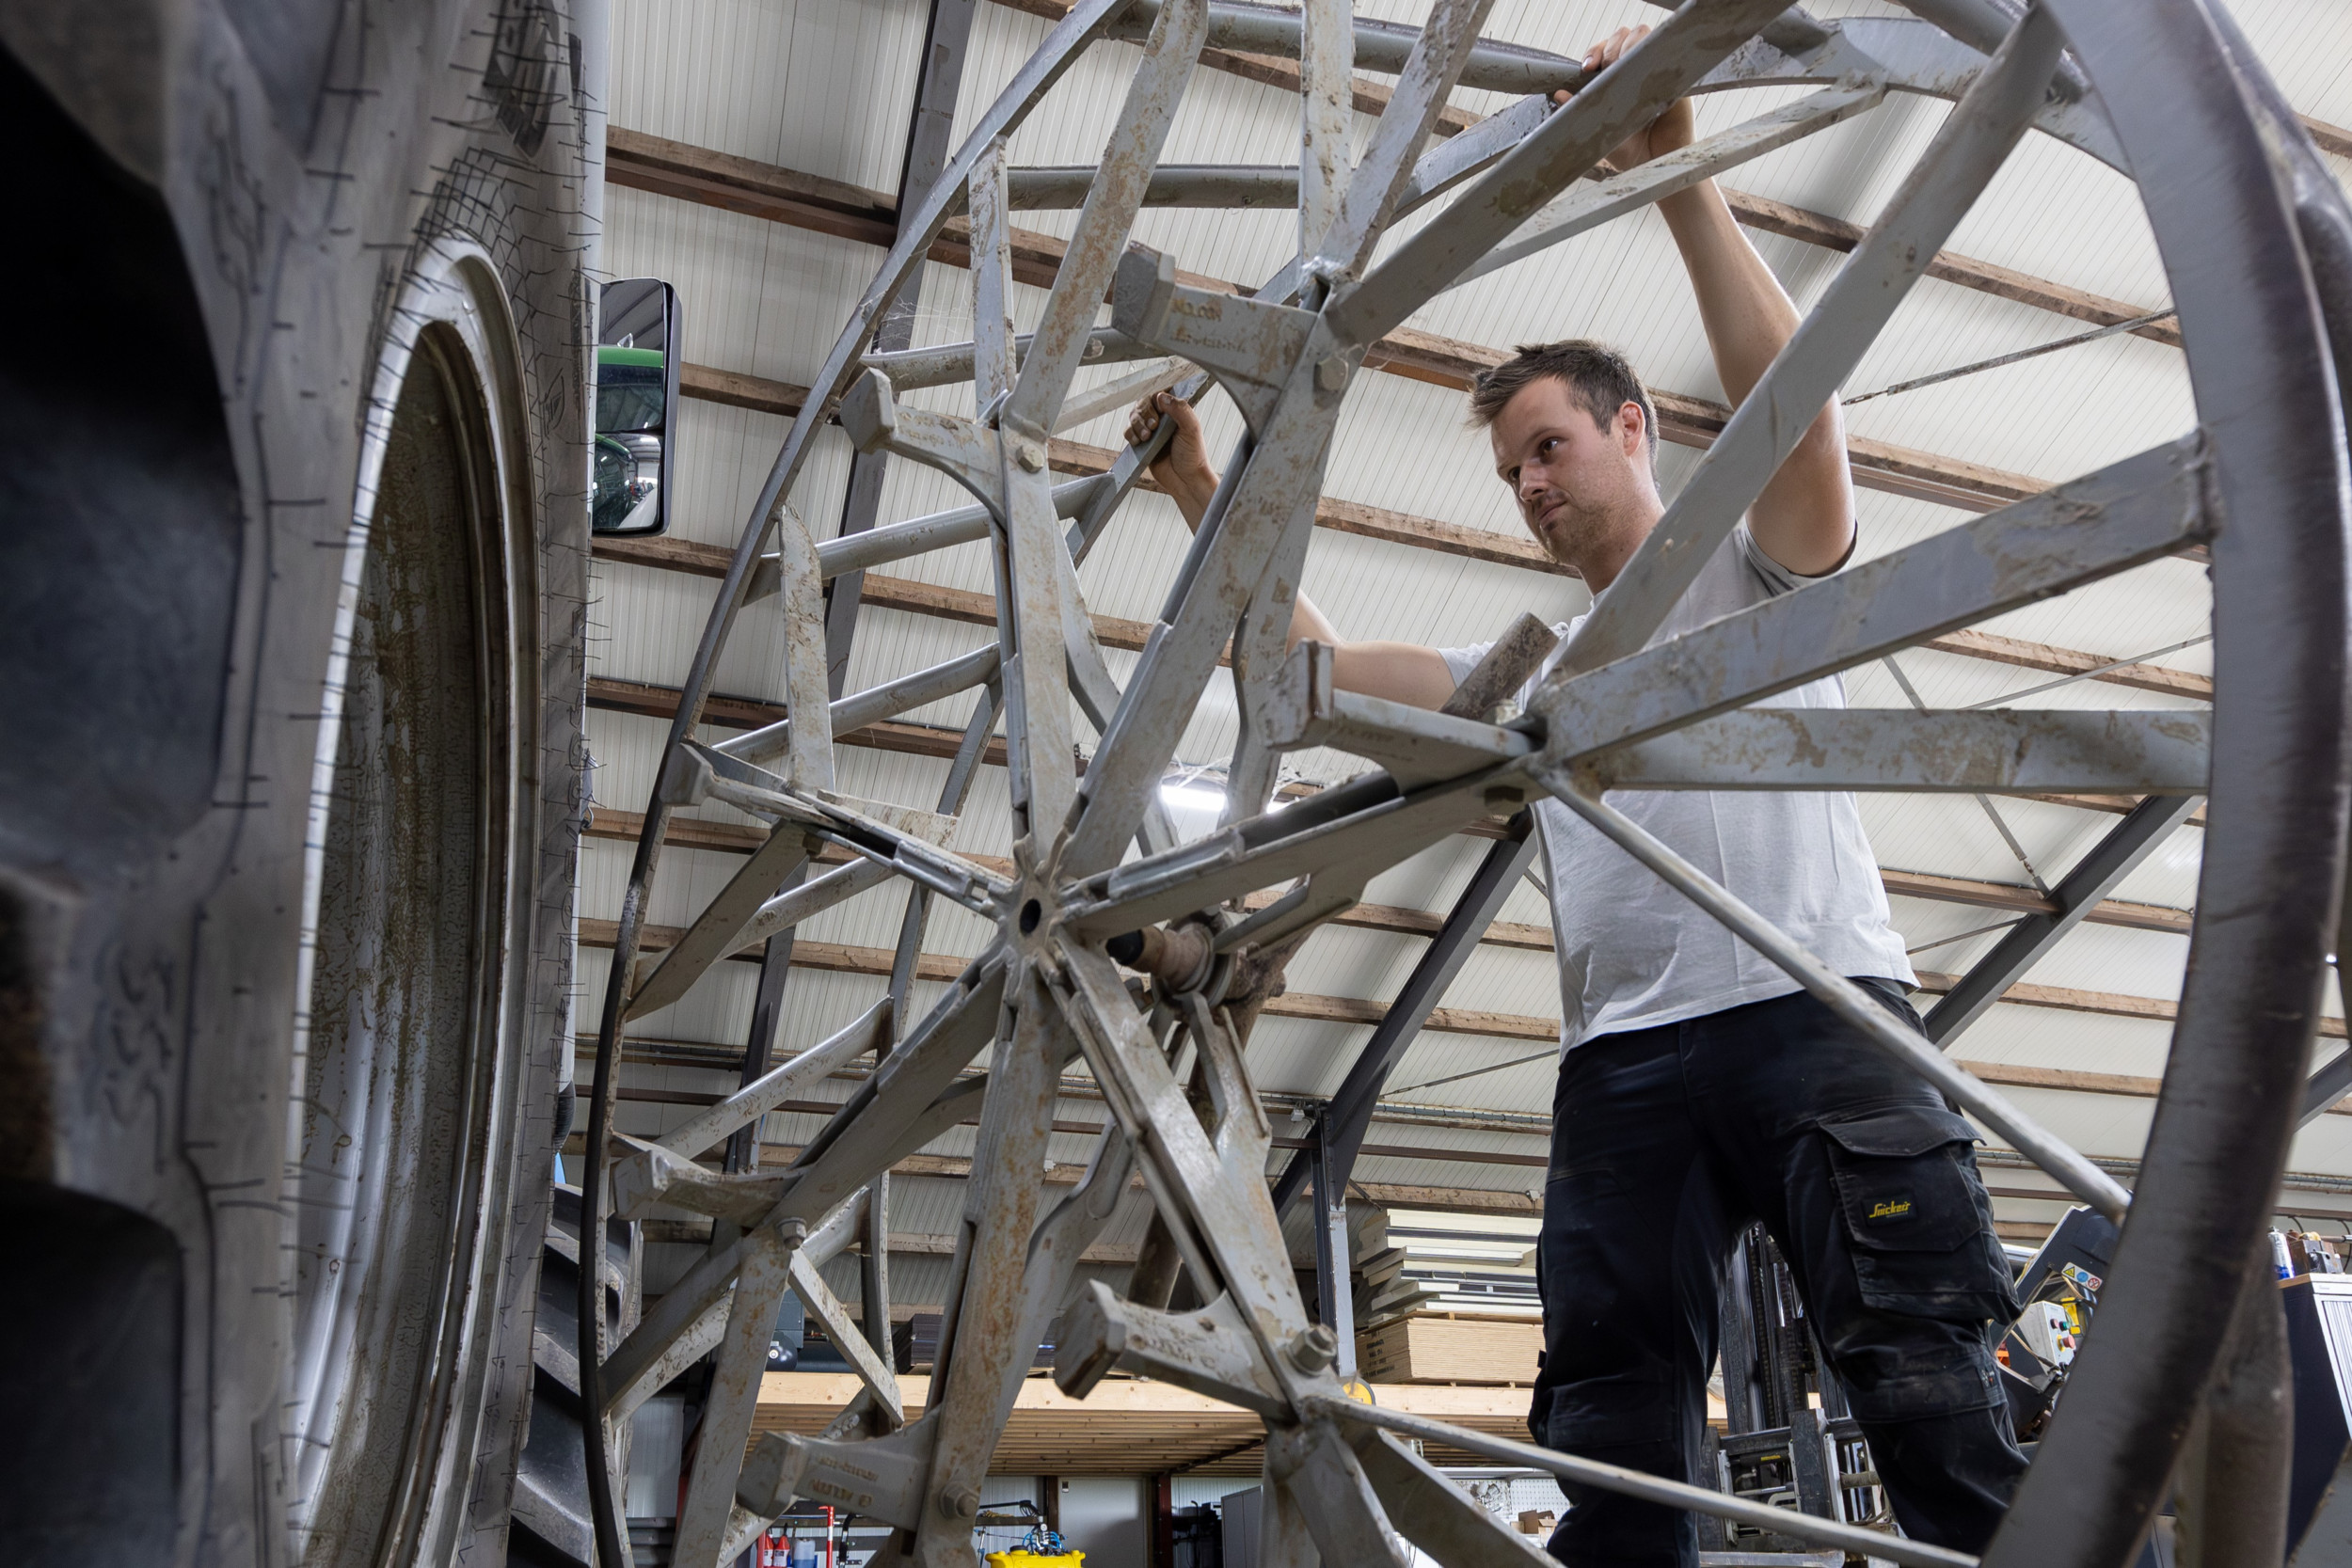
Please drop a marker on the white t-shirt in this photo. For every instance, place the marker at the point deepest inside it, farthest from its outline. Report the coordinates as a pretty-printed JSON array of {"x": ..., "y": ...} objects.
[{"x": 1634, "y": 953}]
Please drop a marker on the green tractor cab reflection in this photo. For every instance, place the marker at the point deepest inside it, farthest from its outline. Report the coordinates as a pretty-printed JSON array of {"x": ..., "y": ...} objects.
[{"x": 631, "y": 412}]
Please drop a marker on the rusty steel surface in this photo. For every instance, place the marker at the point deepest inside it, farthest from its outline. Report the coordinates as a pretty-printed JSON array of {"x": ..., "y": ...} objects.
[{"x": 1097, "y": 868}]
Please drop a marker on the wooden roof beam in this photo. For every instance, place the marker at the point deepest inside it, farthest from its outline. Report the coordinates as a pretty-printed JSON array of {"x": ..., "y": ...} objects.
[
  {"x": 642, "y": 162},
  {"x": 1474, "y": 1119},
  {"x": 842, "y": 959},
  {"x": 1762, "y": 212},
  {"x": 660, "y": 701},
  {"x": 976, "y": 608},
  {"x": 848, "y": 959}
]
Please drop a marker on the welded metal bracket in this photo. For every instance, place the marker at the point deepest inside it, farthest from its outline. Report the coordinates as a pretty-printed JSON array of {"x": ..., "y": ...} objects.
[
  {"x": 1415, "y": 744},
  {"x": 875, "y": 420},
  {"x": 1249, "y": 345},
  {"x": 653, "y": 1174},
  {"x": 881, "y": 1477},
  {"x": 1209, "y": 1350}
]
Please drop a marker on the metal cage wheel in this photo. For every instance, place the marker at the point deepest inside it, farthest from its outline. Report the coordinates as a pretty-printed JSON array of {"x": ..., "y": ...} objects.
[{"x": 2224, "y": 179}]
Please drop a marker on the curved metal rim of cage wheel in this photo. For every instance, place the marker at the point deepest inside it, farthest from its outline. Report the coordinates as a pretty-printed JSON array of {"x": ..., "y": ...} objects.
[{"x": 2185, "y": 103}]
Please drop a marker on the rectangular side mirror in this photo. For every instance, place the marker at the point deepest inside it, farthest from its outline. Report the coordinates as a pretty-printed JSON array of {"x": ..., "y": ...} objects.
[{"x": 637, "y": 337}]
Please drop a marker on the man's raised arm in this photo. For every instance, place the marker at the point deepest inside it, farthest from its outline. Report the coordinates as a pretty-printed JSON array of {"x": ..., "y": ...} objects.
[
  {"x": 1401, "y": 671},
  {"x": 1804, "y": 518}
]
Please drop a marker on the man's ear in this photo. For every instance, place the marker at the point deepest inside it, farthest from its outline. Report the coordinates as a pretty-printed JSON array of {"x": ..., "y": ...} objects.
[{"x": 1632, "y": 429}]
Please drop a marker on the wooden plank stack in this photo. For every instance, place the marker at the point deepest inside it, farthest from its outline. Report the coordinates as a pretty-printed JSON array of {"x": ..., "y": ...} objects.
[
  {"x": 1445, "y": 1298},
  {"x": 1416, "y": 1260},
  {"x": 1476, "y": 1349}
]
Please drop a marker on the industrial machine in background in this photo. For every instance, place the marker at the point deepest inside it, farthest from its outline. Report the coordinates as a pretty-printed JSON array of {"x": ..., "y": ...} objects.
[
  {"x": 2059, "y": 1286},
  {"x": 2319, "y": 1345},
  {"x": 1789, "y": 1439}
]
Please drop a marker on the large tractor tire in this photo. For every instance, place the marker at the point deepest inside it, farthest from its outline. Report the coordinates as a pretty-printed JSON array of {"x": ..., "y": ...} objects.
[{"x": 292, "y": 571}]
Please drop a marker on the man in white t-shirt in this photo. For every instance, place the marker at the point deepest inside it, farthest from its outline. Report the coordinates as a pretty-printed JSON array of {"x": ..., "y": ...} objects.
[{"x": 1700, "y": 1088}]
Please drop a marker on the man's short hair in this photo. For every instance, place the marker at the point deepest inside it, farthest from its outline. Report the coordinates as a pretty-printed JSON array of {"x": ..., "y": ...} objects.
[{"x": 1595, "y": 374}]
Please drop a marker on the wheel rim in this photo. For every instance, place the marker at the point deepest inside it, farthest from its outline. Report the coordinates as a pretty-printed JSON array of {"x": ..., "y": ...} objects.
[
  {"x": 396, "y": 1081},
  {"x": 2233, "y": 1081}
]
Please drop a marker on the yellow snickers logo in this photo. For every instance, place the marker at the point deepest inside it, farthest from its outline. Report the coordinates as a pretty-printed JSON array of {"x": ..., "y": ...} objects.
[{"x": 1890, "y": 1208}]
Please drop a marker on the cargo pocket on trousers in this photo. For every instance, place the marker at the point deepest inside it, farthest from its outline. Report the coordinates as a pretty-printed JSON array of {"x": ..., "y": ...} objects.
[
  {"x": 1600, "y": 1415},
  {"x": 1917, "y": 1225}
]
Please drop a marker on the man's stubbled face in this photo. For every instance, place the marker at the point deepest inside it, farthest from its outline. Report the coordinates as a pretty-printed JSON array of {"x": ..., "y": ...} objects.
[{"x": 1577, "y": 482}]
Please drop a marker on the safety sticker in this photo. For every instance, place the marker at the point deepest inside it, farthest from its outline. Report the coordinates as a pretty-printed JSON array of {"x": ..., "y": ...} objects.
[{"x": 2077, "y": 1275}]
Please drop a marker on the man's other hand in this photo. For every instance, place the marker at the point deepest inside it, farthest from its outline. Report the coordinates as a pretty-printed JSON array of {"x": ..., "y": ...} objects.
[
  {"x": 1803, "y": 519},
  {"x": 1182, "y": 464},
  {"x": 1400, "y": 672},
  {"x": 1668, "y": 132}
]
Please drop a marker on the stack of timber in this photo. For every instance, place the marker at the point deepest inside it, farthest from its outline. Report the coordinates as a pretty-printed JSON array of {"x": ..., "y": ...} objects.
[
  {"x": 1483, "y": 1264},
  {"x": 1460, "y": 1347},
  {"x": 1449, "y": 1299},
  {"x": 1128, "y": 1426}
]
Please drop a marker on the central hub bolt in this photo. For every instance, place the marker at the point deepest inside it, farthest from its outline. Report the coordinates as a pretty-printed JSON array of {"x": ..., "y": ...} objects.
[{"x": 1313, "y": 1348}]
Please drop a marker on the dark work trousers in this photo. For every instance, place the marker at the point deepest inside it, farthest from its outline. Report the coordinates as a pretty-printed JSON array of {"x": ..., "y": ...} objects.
[{"x": 1665, "y": 1143}]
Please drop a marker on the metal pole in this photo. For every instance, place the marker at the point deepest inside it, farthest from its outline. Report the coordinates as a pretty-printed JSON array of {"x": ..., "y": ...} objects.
[
  {"x": 1812, "y": 1465},
  {"x": 1350, "y": 1110},
  {"x": 2085, "y": 1180},
  {"x": 936, "y": 87},
  {"x": 2232, "y": 1485},
  {"x": 1649, "y": 1488},
  {"x": 1334, "y": 1291},
  {"x": 941, "y": 79},
  {"x": 2333, "y": 1080},
  {"x": 775, "y": 962},
  {"x": 1738, "y": 1344},
  {"x": 2078, "y": 892}
]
